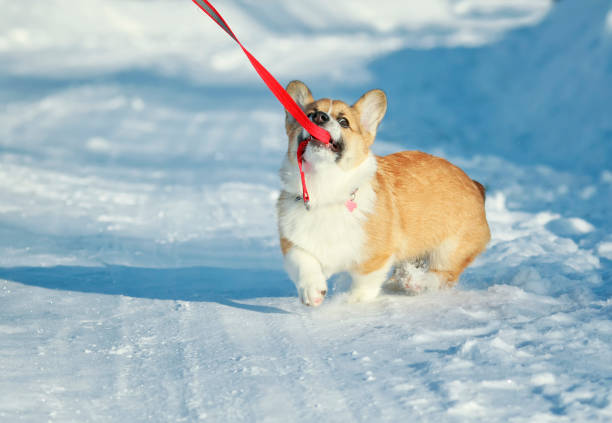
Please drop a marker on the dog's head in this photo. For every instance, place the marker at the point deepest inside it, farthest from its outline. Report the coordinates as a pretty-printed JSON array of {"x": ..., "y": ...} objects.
[{"x": 352, "y": 128}]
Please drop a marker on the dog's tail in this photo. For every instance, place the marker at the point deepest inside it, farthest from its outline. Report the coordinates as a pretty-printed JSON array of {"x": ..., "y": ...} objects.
[{"x": 481, "y": 188}]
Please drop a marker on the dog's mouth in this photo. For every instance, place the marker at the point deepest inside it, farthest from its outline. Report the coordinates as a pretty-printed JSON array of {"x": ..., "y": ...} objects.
[{"x": 335, "y": 146}]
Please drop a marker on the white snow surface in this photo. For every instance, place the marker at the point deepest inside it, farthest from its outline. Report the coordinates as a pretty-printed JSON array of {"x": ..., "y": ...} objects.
[
  {"x": 140, "y": 271},
  {"x": 93, "y": 37}
]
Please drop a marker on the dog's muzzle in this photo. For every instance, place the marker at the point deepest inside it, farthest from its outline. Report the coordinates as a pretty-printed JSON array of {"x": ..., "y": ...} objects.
[{"x": 335, "y": 146}]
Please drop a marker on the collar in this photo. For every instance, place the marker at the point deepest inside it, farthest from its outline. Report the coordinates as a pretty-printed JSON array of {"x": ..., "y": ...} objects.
[{"x": 350, "y": 204}]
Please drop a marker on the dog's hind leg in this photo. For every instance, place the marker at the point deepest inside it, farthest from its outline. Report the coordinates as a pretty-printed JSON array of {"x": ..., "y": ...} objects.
[
  {"x": 413, "y": 277},
  {"x": 404, "y": 270},
  {"x": 452, "y": 257}
]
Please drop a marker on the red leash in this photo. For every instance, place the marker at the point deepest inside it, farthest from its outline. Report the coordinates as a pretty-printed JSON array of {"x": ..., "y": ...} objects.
[
  {"x": 280, "y": 93},
  {"x": 300, "y": 160}
]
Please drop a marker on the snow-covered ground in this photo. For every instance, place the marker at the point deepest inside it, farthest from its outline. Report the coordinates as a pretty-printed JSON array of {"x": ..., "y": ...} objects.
[{"x": 140, "y": 272}]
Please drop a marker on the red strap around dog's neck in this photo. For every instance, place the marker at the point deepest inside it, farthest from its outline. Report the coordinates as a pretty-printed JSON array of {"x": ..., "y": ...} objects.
[{"x": 280, "y": 93}]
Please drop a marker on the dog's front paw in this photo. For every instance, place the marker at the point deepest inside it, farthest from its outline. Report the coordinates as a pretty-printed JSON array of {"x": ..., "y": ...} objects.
[
  {"x": 363, "y": 294},
  {"x": 312, "y": 293}
]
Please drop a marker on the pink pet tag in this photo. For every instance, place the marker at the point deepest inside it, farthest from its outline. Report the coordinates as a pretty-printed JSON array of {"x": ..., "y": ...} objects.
[{"x": 350, "y": 205}]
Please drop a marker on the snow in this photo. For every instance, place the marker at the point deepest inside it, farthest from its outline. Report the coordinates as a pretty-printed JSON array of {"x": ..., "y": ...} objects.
[
  {"x": 119, "y": 36},
  {"x": 140, "y": 271}
]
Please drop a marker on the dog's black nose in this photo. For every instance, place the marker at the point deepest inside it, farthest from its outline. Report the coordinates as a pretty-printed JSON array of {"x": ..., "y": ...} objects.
[{"x": 320, "y": 117}]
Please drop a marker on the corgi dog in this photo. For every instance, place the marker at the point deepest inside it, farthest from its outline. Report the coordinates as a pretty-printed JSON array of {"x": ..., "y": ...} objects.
[{"x": 409, "y": 219}]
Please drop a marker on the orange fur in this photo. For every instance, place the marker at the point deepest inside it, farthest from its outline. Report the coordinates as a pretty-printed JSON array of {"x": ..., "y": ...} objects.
[
  {"x": 422, "y": 202},
  {"x": 285, "y": 244}
]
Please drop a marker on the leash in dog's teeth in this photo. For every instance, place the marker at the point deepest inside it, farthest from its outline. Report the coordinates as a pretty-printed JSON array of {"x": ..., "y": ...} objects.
[
  {"x": 350, "y": 204},
  {"x": 315, "y": 131},
  {"x": 300, "y": 161}
]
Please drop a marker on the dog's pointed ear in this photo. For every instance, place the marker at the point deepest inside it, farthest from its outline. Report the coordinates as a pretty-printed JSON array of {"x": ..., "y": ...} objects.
[
  {"x": 371, "y": 108},
  {"x": 300, "y": 93}
]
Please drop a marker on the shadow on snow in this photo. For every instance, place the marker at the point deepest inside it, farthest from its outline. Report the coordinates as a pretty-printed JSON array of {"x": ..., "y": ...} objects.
[{"x": 207, "y": 284}]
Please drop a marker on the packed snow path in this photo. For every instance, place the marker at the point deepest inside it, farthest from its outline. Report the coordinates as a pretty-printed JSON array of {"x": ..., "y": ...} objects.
[{"x": 134, "y": 352}]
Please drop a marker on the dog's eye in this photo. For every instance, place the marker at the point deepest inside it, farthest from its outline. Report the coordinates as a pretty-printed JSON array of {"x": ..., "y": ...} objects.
[
  {"x": 310, "y": 115},
  {"x": 343, "y": 122}
]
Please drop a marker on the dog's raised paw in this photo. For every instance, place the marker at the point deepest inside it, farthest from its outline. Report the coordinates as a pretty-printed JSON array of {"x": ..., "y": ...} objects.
[{"x": 312, "y": 295}]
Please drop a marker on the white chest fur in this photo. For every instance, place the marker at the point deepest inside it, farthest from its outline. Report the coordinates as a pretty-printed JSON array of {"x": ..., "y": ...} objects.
[{"x": 330, "y": 232}]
